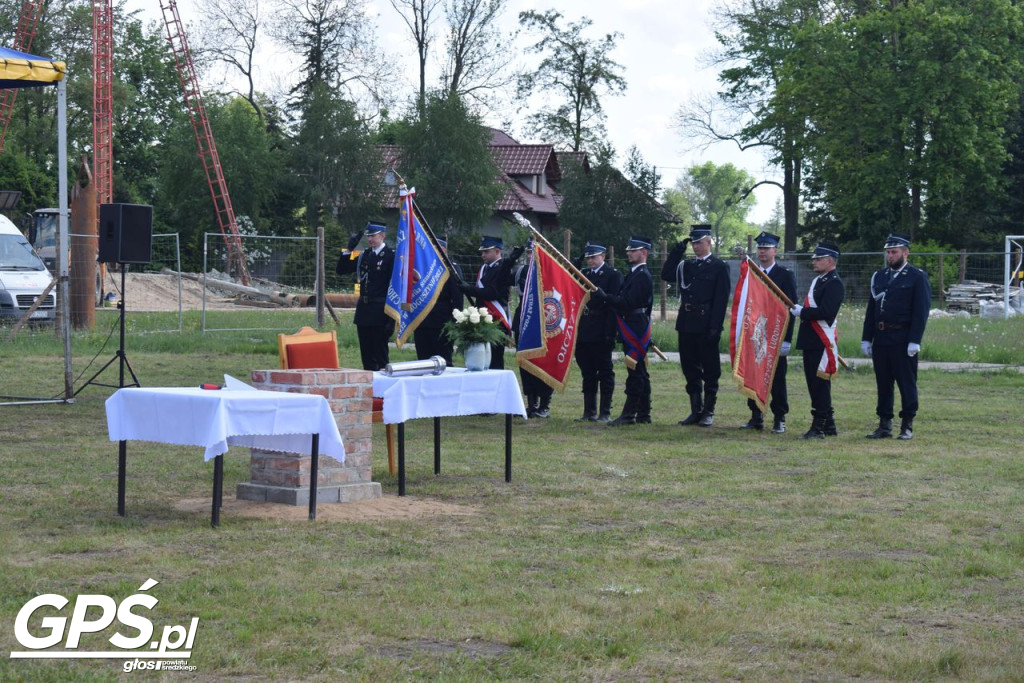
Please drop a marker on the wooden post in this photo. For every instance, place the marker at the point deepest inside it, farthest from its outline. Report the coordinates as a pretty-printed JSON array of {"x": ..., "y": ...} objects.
[
  {"x": 963, "y": 266},
  {"x": 942, "y": 282},
  {"x": 567, "y": 246},
  {"x": 320, "y": 284},
  {"x": 663, "y": 286}
]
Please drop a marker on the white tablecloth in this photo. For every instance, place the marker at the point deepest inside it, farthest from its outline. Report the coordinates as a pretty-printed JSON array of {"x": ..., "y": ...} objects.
[
  {"x": 216, "y": 419},
  {"x": 455, "y": 392}
]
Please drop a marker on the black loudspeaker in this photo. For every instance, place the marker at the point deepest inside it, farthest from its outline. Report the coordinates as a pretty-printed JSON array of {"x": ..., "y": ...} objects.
[{"x": 126, "y": 233}]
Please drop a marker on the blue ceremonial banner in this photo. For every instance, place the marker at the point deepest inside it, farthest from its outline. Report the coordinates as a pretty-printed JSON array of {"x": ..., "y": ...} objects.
[
  {"x": 532, "y": 342},
  {"x": 419, "y": 272}
]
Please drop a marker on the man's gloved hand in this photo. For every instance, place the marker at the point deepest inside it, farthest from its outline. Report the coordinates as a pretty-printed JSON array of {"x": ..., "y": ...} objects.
[
  {"x": 865, "y": 348},
  {"x": 516, "y": 253},
  {"x": 785, "y": 349},
  {"x": 353, "y": 241},
  {"x": 913, "y": 349},
  {"x": 796, "y": 310},
  {"x": 599, "y": 295},
  {"x": 467, "y": 288}
]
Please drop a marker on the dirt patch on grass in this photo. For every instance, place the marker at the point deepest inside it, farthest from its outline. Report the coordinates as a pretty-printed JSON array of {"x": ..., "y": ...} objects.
[{"x": 387, "y": 507}]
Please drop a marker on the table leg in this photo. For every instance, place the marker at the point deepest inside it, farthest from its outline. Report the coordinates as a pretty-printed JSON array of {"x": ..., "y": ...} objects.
[
  {"x": 401, "y": 458},
  {"x": 437, "y": 445},
  {"x": 122, "y": 462},
  {"x": 315, "y": 457},
  {"x": 508, "y": 447},
  {"x": 218, "y": 489}
]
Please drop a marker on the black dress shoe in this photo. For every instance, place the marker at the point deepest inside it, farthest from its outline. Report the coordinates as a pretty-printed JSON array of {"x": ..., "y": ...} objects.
[{"x": 753, "y": 424}]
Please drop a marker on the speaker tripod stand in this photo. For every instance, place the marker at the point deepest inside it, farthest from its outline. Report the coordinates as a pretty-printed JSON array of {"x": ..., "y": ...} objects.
[{"x": 119, "y": 354}]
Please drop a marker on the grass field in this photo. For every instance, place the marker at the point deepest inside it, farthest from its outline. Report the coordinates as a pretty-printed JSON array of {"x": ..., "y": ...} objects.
[{"x": 643, "y": 553}]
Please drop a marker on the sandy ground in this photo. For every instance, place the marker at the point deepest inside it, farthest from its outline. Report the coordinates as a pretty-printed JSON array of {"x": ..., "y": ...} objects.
[
  {"x": 387, "y": 507},
  {"x": 159, "y": 292}
]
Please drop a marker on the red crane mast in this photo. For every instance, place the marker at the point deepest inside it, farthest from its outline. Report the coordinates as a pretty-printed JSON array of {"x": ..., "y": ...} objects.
[
  {"x": 204, "y": 139},
  {"x": 102, "y": 100}
]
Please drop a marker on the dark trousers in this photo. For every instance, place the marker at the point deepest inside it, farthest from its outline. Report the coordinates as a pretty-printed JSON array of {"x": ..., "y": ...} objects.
[
  {"x": 431, "y": 341},
  {"x": 595, "y": 362},
  {"x": 497, "y": 357},
  {"x": 780, "y": 397},
  {"x": 638, "y": 381},
  {"x": 701, "y": 363},
  {"x": 819, "y": 389},
  {"x": 534, "y": 386},
  {"x": 893, "y": 365},
  {"x": 373, "y": 345}
]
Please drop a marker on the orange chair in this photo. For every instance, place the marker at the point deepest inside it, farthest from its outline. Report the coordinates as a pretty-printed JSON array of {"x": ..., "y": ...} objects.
[{"x": 308, "y": 349}]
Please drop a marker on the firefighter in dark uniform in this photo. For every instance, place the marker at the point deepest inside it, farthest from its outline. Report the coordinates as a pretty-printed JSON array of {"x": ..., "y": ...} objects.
[
  {"x": 596, "y": 338},
  {"x": 703, "y": 295},
  {"x": 893, "y": 327},
  {"x": 632, "y": 306},
  {"x": 820, "y": 310},
  {"x": 767, "y": 248},
  {"x": 538, "y": 393},
  {"x": 373, "y": 267},
  {"x": 491, "y": 289},
  {"x": 429, "y": 339}
]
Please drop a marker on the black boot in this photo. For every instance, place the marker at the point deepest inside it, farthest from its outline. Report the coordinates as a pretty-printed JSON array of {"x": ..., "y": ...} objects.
[
  {"x": 531, "y": 405},
  {"x": 884, "y": 429},
  {"x": 830, "y": 423},
  {"x": 605, "y": 415},
  {"x": 906, "y": 429},
  {"x": 643, "y": 411},
  {"x": 707, "y": 417},
  {"x": 696, "y": 408},
  {"x": 817, "y": 430},
  {"x": 589, "y": 408},
  {"x": 543, "y": 407},
  {"x": 628, "y": 416},
  {"x": 756, "y": 420},
  {"x": 779, "y": 424}
]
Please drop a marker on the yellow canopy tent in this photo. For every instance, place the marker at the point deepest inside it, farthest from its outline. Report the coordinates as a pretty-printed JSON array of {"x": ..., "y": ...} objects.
[{"x": 22, "y": 70}]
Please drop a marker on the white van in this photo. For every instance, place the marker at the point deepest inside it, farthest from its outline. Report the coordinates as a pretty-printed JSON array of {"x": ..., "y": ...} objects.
[{"x": 23, "y": 277}]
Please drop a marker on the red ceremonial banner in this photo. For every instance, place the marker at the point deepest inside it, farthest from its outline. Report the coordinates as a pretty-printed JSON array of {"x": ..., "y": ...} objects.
[
  {"x": 759, "y": 319},
  {"x": 563, "y": 299}
]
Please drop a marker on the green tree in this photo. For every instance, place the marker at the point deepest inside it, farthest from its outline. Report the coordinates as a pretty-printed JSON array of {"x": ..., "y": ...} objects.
[
  {"x": 600, "y": 204},
  {"x": 717, "y": 196},
  {"x": 576, "y": 73},
  {"x": 445, "y": 154},
  {"x": 912, "y": 101}
]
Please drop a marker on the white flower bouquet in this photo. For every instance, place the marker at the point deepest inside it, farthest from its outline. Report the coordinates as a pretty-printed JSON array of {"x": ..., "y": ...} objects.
[{"x": 473, "y": 325}]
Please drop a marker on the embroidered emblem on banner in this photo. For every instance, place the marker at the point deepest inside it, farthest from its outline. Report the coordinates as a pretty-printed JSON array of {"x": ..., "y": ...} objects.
[
  {"x": 554, "y": 314},
  {"x": 759, "y": 337}
]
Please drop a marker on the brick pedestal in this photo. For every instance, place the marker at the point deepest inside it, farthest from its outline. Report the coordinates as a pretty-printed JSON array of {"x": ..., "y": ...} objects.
[{"x": 284, "y": 477}]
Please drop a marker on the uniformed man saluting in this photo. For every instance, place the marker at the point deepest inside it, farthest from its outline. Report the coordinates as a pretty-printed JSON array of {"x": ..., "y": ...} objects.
[
  {"x": 703, "y": 295},
  {"x": 893, "y": 326},
  {"x": 373, "y": 268}
]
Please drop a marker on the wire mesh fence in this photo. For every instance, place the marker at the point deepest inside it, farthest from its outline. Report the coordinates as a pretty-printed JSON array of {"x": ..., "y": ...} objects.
[{"x": 282, "y": 275}]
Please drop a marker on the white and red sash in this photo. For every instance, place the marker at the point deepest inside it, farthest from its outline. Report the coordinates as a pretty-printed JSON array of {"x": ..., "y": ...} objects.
[
  {"x": 829, "y": 337},
  {"x": 497, "y": 310}
]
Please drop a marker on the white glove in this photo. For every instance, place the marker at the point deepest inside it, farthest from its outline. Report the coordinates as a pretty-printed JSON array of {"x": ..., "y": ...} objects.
[
  {"x": 796, "y": 310},
  {"x": 913, "y": 349},
  {"x": 865, "y": 348},
  {"x": 785, "y": 349}
]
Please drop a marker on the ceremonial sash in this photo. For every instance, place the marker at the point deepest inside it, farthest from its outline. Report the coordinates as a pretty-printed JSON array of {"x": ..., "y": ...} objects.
[
  {"x": 636, "y": 345},
  {"x": 828, "y": 366},
  {"x": 497, "y": 311}
]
